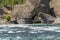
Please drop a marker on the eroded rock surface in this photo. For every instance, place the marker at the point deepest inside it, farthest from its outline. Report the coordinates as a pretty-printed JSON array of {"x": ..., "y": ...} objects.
[
  {"x": 43, "y": 18},
  {"x": 22, "y": 12},
  {"x": 26, "y": 12},
  {"x": 37, "y": 11},
  {"x": 56, "y": 5}
]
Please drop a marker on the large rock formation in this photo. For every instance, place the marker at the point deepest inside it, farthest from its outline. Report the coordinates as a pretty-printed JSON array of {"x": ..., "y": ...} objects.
[
  {"x": 22, "y": 12},
  {"x": 26, "y": 13},
  {"x": 44, "y": 9},
  {"x": 35, "y": 11},
  {"x": 56, "y": 5}
]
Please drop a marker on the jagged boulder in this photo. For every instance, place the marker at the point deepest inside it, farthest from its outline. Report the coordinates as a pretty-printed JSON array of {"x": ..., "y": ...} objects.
[
  {"x": 43, "y": 18},
  {"x": 22, "y": 12}
]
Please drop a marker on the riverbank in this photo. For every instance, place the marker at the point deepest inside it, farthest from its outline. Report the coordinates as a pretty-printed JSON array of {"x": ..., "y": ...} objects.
[{"x": 31, "y": 12}]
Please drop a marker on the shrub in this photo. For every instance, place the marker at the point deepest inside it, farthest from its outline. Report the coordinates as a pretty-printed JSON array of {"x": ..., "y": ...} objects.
[{"x": 8, "y": 17}]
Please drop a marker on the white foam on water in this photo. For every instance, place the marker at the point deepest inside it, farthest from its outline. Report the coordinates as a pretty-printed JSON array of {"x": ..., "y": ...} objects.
[
  {"x": 44, "y": 28},
  {"x": 13, "y": 25},
  {"x": 0, "y": 38},
  {"x": 19, "y": 31},
  {"x": 18, "y": 37},
  {"x": 48, "y": 29},
  {"x": 33, "y": 32},
  {"x": 10, "y": 32},
  {"x": 57, "y": 31}
]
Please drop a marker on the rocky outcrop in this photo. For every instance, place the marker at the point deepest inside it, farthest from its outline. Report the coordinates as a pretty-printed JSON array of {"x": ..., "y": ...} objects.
[
  {"x": 36, "y": 11},
  {"x": 2, "y": 16},
  {"x": 56, "y": 5},
  {"x": 3, "y": 12},
  {"x": 57, "y": 21},
  {"x": 43, "y": 18},
  {"x": 26, "y": 13},
  {"x": 22, "y": 12}
]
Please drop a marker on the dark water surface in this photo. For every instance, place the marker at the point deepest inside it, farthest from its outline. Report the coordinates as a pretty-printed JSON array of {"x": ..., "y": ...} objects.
[{"x": 30, "y": 32}]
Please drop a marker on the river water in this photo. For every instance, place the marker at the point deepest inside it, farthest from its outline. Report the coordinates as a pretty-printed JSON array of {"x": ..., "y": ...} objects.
[{"x": 30, "y": 32}]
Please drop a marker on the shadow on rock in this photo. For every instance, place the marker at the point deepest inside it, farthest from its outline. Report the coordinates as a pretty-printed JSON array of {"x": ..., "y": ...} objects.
[
  {"x": 14, "y": 21},
  {"x": 47, "y": 15}
]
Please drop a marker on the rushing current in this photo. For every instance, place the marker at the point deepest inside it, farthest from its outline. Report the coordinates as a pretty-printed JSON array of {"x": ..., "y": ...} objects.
[{"x": 29, "y": 32}]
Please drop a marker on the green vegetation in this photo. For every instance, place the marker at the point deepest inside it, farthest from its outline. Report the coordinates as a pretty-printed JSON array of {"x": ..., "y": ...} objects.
[
  {"x": 10, "y": 2},
  {"x": 8, "y": 17}
]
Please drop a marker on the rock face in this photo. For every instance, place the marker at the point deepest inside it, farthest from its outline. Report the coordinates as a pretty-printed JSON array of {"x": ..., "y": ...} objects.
[
  {"x": 2, "y": 16},
  {"x": 34, "y": 11},
  {"x": 43, "y": 18},
  {"x": 56, "y": 5},
  {"x": 57, "y": 21},
  {"x": 26, "y": 13},
  {"x": 22, "y": 12},
  {"x": 3, "y": 12},
  {"x": 44, "y": 9},
  {"x": 35, "y": 3}
]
